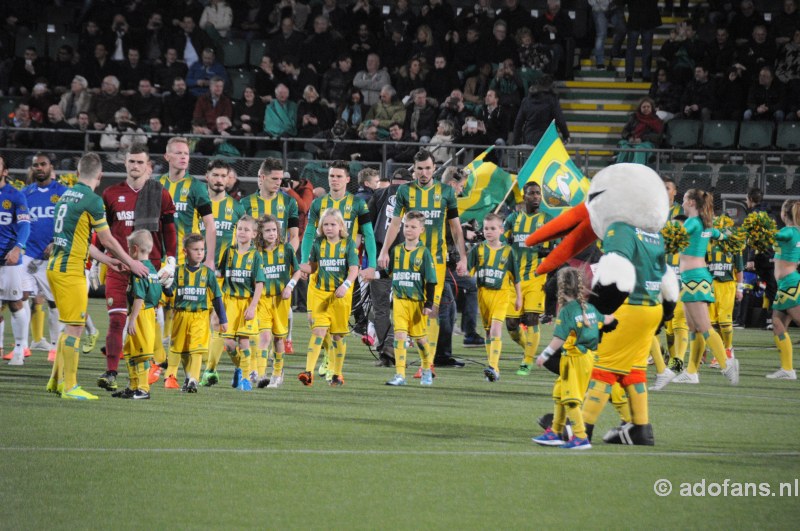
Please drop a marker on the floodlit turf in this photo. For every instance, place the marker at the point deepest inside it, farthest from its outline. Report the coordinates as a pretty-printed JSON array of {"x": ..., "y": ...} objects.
[{"x": 368, "y": 456}]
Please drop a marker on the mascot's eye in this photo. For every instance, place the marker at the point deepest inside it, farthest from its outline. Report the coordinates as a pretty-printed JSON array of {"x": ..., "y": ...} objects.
[{"x": 595, "y": 194}]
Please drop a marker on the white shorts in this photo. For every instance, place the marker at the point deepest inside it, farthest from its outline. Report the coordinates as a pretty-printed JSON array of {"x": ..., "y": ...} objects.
[
  {"x": 11, "y": 283},
  {"x": 34, "y": 277}
]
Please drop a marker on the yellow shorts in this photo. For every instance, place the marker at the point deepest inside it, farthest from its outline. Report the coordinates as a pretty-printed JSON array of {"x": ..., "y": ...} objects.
[
  {"x": 678, "y": 321},
  {"x": 532, "y": 297},
  {"x": 441, "y": 275},
  {"x": 492, "y": 305},
  {"x": 329, "y": 311},
  {"x": 721, "y": 310},
  {"x": 408, "y": 317},
  {"x": 144, "y": 342},
  {"x": 273, "y": 314},
  {"x": 238, "y": 326},
  {"x": 628, "y": 346},
  {"x": 576, "y": 371},
  {"x": 71, "y": 296},
  {"x": 190, "y": 332}
]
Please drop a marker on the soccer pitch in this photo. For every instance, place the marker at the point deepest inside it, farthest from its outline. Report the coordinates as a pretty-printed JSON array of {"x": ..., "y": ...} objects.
[{"x": 368, "y": 456}]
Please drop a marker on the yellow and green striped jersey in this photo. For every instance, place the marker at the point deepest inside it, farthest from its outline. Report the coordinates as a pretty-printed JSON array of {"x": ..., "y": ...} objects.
[
  {"x": 193, "y": 289},
  {"x": 226, "y": 214},
  {"x": 723, "y": 266},
  {"x": 411, "y": 270},
  {"x": 353, "y": 210},
  {"x": 493, "y": 268},
  {"x": 435, "y": 202},
  {"x": 279, "y": 265},
  {"x": 333, "y": 261},
  {"x": 518, "y": 226},
  {"x": 241, "y": 272},
  {"x": 282, "y": 206},
  {"x": 148, "y": 289},
  {"x": 77, "y": 213},
  {"x": 191, "y": 200}
]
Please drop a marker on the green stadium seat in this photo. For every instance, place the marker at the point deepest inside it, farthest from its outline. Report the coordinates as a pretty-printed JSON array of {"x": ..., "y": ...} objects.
[
  {"x": 719, "y": 134},
  {"x": 268, "y": 153},
  {"x": 257, "y": 50},
  {"x": 234, "y": 52},
  {"x": 695, "y": 176},
  {"x": 683, "y": 134},
  {"x": 240, "y": 78},
  {"x": 795, "y": 189},
  {"x": 776, "y": 180},
  {"x": 29, "y": 38},
  {"x": 788, "y": 136},
  {"x": 300, "y": 155},
  {"x": 57, "y": 40},
  {"x": 733, "y": 179},
  {"x": 666, "y": 169},
  {"x": 756, "y": 134}
]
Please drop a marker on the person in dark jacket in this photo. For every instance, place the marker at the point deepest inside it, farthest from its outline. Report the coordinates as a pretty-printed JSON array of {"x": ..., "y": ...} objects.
[
  {"x": 666, "y": 95},
  {"x": 538, "y": 109},
  {"x": 641, "y": 134},
  {"x": 766, "y": 99},
  {"x": 178, "y": 108},
  {"x": 699, "y": 97},
  {"x": 643, "y": 18},
  {"x": 421, "y": 113},
  {"x": 731, "y": 96}
]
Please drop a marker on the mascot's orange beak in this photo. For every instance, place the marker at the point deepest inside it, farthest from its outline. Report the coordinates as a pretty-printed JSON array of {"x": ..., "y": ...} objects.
[{"x": 576, "y": 229}]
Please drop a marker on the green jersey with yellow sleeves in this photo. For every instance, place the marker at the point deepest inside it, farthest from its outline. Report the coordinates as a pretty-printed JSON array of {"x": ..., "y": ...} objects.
[
  {"x": 148, "y": 288},
  {"x": 723, "y": 266},
  {"x": 279, "y": 265},
  {"x": 241, "y": 272},
  {"x": 333, "y": 261},
  {"x": 517, "y": 227},
  {"x": 437, "y": 202},
  {"x": 79, "y": 211},
  {"x": 645, "y": 250},
  {"x": 193, "y": 289},
  {"x": 578, "y": 328},
  {"x": 493, "y": 268},
  {"x": 226, "y": 214},
  {"x": 191, "y": 204},
  {"x": 411, "y": 270},
  {"x": 282, "y": 206}
]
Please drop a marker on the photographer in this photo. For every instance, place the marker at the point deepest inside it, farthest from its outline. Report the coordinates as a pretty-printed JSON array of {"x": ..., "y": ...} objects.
[{"x": 453, "y": 110}]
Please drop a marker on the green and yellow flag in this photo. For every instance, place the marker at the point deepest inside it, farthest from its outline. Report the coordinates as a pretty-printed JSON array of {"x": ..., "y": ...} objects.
[
  {"x": 486, "y": 186},
  {"x": 563, "y": 184}
]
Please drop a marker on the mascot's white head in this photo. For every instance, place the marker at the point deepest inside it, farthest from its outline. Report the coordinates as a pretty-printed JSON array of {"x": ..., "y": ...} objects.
[{"x": 628, "y": 193}]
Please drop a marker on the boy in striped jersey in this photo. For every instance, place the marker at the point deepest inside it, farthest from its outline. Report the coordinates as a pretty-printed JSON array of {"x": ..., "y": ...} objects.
[
  {"x": 243, "y": 283},
  {"x": 497, "y": 273},
  {"x": 194, "y": 286},
  {"x": 334, "y": 259},
  {"x": 728, "y": 272},
  {"x": 413, "y": 286}
]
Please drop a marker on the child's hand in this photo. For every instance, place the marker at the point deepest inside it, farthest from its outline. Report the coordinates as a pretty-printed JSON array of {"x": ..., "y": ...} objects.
[
  {"x": 518, "y": 303},
  {"x": 223, "y": 327},
  {"x": 540, "y": 359},
  {"x": 426, "y": 311},
  {"x": 131, "y": 327},
  {"x": 286, "y": 293},
  {"x": 249, "y": 313},
  {"x": 340, "y": 292}
]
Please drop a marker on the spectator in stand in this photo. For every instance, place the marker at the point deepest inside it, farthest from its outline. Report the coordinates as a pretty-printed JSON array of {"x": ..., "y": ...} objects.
[
  {"x": 364, "y": 12},
  {"x": 464, "y": 51},
  {"x": 531, "y": 54},
  {"x": 338, "y": 79},
  {"x": 699, "y": 98},
  {"x": 453, "y": 110},
  {"x": 445, "y": 134},
  {"x": 280, "y": 118},
  {"x": 88, "y": 39},
  {"x": 787, "y": 67},
  {"x": 200, "y": 73},
  {"x": 120, "y": 38},
  {"x": 516, "y": 16},
  {"x": 217, "y": 19},
  {"x": 166, "y": 70},
  {"x": 766, "y": 99},
  {"x": 131, "y": 71},
  {"x": 666, "y": 96},
  {"x": 721, "y": 53},
  {"x": 605, "y": 12},
  {"x": 744, "y": 22},
  {"x": 395, "y": 50},
  {"x": 476, "y": 86},
  {"x": 553, "y": 29},
  {"x": 154, "y": 40},
  {"x": 372, "y": 80},
  {"x": 499, "y": 46},
  {"x": 538, "y": 109},
  {"x": 287, "y": 41},
  {"x": 438, "y": 15},
  {"x": 296, "y": 77},
  {"x": 99, "y": 66},
  {"x": 254, "y": 20},
  {"x": 682, "y": 52},
  {"x": 401, "y": 18},
  {"x": 77, "y": 100},
  {"x": 642, "y": 133},
  {"x": 313, "y": 115},
  {"x": 441, "y": 80},
  {"x": 493, "y": 120},
  {"x": 643, "y": 19},
  {"x": 11, "y": 138},
  {"x": 121, "y": 135},
  {"x": 784, "y": 23},
  {"x": 213, "y": 104},
  {"x": 297, "y": 11},
  {"x": 385, "y": 112},
  {"x": 336, "y": 145},
  {"x": 105, "y": 104},
  {"x": 424, "y": 45},
  {"x": 421, "y": 113},
  {"x": 178, "y": 108},
  {"x": 473, "y": 132},
  {"x": 63, "y": 69},
  {"x": 145, "y": 103},
  {"x": 398, "y": 154},
  {"x": 482, "y": 15},
  {"x": 190, "y": 41},
  {"x": 26, "y": 72},
  {"x": 40, "y": 100},
  {"x": 369, "y": 151},
  {"x": 55, "y": 140},
  {"x": 335, "y": 14},
  {"x": 353, "y": 110},
  {"x": 757, "y": 52},
  {"x": 508, "y": 86},
  {"x": 731, "y": 96},
  {"x": 222, "y": 145},
  {"x": 793, "y": 101},
  {"x": 156, "y": 138},
  {"x": 362, "y": 44},
  {"x": 410, "y": 77},
  {"x": 233, "y": 187},
  {"x": 266, "y": 79},
  {"x": 84, "y": 124},
  {"x": 248, "y": 113},
  {"x": 321, "y": 48}
]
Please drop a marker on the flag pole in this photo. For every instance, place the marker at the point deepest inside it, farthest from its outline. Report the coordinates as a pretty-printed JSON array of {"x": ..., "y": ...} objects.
[{"x": 496, "y": 210}]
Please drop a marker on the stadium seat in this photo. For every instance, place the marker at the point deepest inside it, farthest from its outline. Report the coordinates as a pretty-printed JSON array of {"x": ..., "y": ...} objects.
[
  {"x": 257, "y": 51},
  {"x": 240, "y": 78},
  {"x": 733, "y": 179},
  {"x": 234, "y": 52},
  {"x": 776, "y": 180},
  {"x": 795, "y": 189},
  {"x": 30, "y": 38},
  {"x": 300, "y": 155},
  {"x": 719, "y": 134},
  {"x": 57, "y": 40},
  {"x": 264, "y": 153},
  {"x": 756, "y": 134},
  {"x": 695, "y": 176},
  {"x": 788, "y": 136},
  {"x": 683, "y": 134},
  {"x": 7, "y": 106},
  {"x": 665, "y": 169}
]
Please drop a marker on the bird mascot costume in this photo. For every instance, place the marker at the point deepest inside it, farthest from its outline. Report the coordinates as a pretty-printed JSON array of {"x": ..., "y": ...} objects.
[{"x": 626, "y": 207}]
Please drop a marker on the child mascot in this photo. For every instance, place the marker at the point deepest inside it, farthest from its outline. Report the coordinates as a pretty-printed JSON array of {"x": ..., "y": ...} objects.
[{"x": 626, "y": 207}]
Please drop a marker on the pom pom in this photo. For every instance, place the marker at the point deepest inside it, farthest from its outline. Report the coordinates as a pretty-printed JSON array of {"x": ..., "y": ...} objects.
[
  {"x": 676, "y": 239},
  {"x": 735, "y": 240},
  {"x": 760, "y": 230},
  {"x": 68, "y": 179}
]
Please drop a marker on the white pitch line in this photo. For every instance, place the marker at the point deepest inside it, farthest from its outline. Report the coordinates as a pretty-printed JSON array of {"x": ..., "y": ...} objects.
[{"x": 431, "y": 453}]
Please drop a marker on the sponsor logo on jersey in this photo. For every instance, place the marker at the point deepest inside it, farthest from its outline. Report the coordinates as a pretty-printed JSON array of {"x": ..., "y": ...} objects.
[
  {"x": 121, "y": 199},
  {"x": 6, "y": 204},
  {"x": 54, "y": 198}
]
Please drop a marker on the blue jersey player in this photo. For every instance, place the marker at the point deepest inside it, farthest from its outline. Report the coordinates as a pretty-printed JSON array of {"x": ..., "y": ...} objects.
[
  {"x": 14, "y": 230},
  {"x": 42, "y": 196}
]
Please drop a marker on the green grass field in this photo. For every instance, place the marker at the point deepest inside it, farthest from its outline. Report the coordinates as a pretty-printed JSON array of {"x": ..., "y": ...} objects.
[{"x": 367, "y": 456}]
